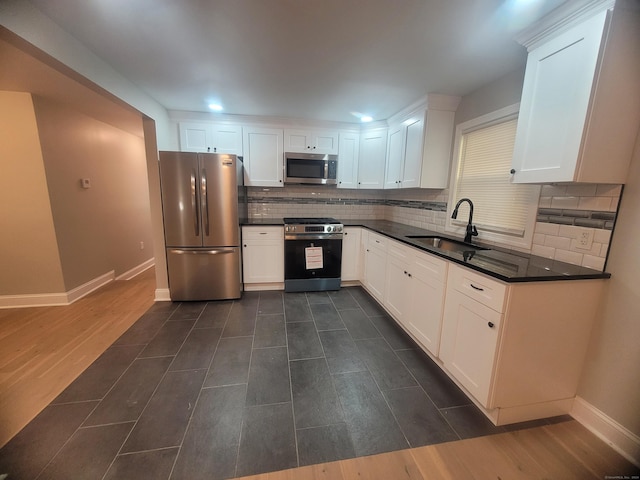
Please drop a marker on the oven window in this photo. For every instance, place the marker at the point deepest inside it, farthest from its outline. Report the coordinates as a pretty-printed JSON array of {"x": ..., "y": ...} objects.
[{"x": 300, "y": 168}]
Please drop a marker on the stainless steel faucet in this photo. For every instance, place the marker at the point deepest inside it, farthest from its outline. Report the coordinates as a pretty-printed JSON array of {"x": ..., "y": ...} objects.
[{"x": 472, "y": 231}]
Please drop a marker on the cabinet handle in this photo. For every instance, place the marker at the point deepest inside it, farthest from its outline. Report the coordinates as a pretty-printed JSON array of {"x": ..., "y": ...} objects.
[
  {"x": 405, "y": 272},
  {"x": 245, "y": 245},
  {"x": 512, "y": 171},
  {"x": 346, "y": 233},
  {"x": 409, "y": 275},
  {"x": 491, "y": 325},
  {"x": 263, "y": 233},
  {"x": 476, "y": 288}
]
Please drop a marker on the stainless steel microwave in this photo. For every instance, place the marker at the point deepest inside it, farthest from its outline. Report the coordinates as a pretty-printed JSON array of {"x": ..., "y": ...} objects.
[{"x": 312, "y": 168}]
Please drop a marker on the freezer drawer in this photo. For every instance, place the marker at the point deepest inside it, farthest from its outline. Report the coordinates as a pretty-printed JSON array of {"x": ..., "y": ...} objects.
[{"x": 204, "y": 273}]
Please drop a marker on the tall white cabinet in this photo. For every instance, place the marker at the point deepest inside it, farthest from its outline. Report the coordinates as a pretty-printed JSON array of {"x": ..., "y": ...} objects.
[{"x": 580, "y": 108}]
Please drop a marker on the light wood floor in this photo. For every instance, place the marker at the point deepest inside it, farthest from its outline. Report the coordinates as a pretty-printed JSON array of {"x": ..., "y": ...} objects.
[{"x": 42, "y": 350}]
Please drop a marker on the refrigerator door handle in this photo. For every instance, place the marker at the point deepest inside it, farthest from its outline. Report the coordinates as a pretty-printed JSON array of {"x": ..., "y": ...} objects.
[
  {"x": 194, "y": 204},
  {"x": 205, "y": 202},
  {"x": 213, "y": 251}
]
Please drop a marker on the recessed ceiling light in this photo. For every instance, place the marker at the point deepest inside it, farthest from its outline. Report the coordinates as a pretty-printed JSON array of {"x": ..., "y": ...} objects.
[
  {"x": 366, "y": 118},
  {"x": 215, "y": 107}
]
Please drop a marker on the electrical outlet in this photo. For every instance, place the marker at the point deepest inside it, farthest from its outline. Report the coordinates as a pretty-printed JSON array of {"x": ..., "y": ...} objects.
[{"x": 585, "y": 239}]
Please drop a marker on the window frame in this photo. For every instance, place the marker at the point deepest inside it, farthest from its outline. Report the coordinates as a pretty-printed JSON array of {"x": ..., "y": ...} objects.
[{"x": 522, "y": 242}]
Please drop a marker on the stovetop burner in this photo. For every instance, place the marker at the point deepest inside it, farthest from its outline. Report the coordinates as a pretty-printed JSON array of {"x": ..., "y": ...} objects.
[{"x": 311, "y": 220}]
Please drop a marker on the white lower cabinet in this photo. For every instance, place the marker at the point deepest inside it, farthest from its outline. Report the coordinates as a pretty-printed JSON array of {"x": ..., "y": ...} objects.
[
  {"x": 351, "y": 254},
  {"x": 517, "y": 349},
  {"x": 414, "y": 292},
  {"x": 375, "y": 265},
  {"x": 469, "y": 341},
  {"x": 262, "y": 256}
]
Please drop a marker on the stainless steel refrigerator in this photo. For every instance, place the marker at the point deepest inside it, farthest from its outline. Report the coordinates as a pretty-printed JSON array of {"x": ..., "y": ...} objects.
[{"x": 200, "y": 193}]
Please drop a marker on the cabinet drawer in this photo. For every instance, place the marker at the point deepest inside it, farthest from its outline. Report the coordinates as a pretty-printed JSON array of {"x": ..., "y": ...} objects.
[
  {"x": 427, "y": 266},
  {"x": 479, "y": 287},
  {"x": 263, "y": 233},
  {"x": 399, "y": 250},
  {"x": 377, "y": 241}
]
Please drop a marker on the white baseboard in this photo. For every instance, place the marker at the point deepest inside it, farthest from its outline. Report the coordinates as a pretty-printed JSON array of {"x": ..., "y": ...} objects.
[
  {"x": 622, "y": 440},
  {"x": 56, "y": 299},
  {"x": 162, "y": 295},
  {"x": 128, "y": 275}
]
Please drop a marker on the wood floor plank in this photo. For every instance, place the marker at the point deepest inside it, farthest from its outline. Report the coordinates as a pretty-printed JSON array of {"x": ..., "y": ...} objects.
[
  {"x": 441, "y": 462},
  {"x": 43, "y": 349},
  {"x": 595, "y": 454},
  {"x": 399, "y": 465}
]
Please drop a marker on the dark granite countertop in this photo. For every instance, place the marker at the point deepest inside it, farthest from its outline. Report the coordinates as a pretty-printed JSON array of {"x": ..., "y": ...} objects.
[
  {"x": 503, "y": 264},
  {"x": 506, "y": 265}
]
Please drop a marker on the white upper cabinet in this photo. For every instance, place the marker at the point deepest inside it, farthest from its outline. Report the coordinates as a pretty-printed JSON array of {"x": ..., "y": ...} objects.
[
  {"x": 311, "y": 141},
  {"x": 395, "y": 157},
  {"x": 210, "y": 137},
  {"x": 371, "y": 162},
  {"x": 580, "y": 108},
  {"x": 263, "y": 157},
  {"x": 348, "y": 151},
  {"x": 419, "y": 145}
]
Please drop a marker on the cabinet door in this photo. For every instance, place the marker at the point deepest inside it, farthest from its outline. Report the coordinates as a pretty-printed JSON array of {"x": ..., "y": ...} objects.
[
  {"x": 325, "y": 142},
  {"x": 349, "y": 149},
  {"x": 413, "y": 149},
  {"x": 373, "y": 148},
  {"x": 375, "y": 271},
  {"x": 555, "y": 100},
  {"x": 424, "y": 320},
  {"x": 195, "y": 137},
  {"x": 398, "y": 285},
  {"x": 227, "y": 139},
  {"x": 262, "y": 254},
  {"x": 351, "y": 254},
  {"x": 263, "y": 157},
  {"x": 297, "y": 141},
  {"x": 309, "y": 141},
  {"x": 395, "y": 158},
  {"x": 469, "y": 343}
]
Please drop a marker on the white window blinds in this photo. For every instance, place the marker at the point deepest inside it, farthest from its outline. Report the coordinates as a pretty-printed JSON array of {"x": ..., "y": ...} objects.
[{"x": 483, "y": 175}]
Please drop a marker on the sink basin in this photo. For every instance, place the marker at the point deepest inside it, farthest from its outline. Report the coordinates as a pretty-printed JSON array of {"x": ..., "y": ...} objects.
[{"x": 445, "y": 243}]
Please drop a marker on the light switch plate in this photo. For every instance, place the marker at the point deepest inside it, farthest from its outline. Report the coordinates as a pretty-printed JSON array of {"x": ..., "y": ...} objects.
[{"x": 85, "y": 182}]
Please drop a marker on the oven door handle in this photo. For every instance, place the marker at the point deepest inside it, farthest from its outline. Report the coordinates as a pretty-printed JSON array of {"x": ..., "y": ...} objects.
[{"x": 313, "y": 236}]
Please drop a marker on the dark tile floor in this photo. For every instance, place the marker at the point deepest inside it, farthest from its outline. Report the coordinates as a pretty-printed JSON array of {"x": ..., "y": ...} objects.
[{"x": 222, "y": 389}]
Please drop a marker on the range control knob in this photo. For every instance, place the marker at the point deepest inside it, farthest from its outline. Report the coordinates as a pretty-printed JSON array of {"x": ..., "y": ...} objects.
[
  {"x": 329, "y": 229},
  {"x": 339, "y": 228}
]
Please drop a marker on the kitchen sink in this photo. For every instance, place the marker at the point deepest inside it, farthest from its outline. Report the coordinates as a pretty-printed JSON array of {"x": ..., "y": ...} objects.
[{"x": 445, "y": 243}]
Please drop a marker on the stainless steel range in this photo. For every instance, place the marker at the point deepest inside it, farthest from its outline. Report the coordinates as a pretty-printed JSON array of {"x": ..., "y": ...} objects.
[{"x": 312, "y": 254}]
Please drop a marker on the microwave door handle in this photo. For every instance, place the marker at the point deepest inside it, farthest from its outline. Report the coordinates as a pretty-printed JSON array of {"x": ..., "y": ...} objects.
[
  {"x": 194, "y": 204},
  {"x": 326, "y": 169},
  {"x": 205, "y": 202}
]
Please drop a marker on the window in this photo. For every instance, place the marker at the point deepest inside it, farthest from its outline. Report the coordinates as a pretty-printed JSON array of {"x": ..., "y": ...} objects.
[{"x": 504, "y": 212}]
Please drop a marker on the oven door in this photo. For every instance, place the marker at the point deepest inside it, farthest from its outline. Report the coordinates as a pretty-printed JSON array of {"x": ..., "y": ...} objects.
[{"x": 312, "y": 260}]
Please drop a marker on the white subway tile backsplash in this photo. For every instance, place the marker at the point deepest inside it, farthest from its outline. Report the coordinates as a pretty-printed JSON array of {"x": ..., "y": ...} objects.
[
  {"x": 561, "y": 243},
  {"x": 569, "y": 257},
  {"x": 552, "y": 190},
  {"x": 582, "y": 190},
  {"x": 609, "y": 190},
  {"x": 542, "y": 251},
  {"x": 565, "y": 202},
  {"x": 590, "y": 261},
  {"x": 547, "y": 228},
  {"x": 595, "y": 203}
]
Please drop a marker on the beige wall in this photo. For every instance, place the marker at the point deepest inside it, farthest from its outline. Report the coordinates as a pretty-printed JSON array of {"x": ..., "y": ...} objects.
[
  {"x": 28, "y": 247},
  {"x": 98, "y": 229},
  {"x": 611, "y": 377}
]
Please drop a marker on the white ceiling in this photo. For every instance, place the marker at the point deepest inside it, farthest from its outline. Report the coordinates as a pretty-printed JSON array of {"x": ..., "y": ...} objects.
[{"x": 315, "y": 59}]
